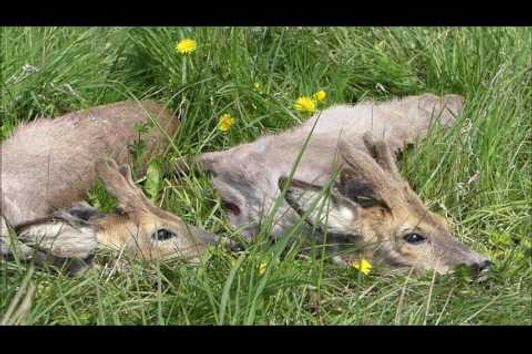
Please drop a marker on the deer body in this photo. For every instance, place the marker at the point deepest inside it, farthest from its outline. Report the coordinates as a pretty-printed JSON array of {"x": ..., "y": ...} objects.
[
  {"x": 48, "y": 166},
  {"x": 49, "y": 163},
  {"x": 248, "y": 176}
]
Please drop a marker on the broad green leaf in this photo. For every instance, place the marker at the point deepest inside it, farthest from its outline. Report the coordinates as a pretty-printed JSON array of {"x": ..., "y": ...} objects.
[{"x": 152, "y": 185}]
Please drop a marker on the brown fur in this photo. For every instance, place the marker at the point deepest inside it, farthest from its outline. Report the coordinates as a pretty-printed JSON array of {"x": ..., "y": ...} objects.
[
  {"x": 133, "y": 229},
  {"x": 48, "y": 166},
  {"x": 391, "y": 210}
]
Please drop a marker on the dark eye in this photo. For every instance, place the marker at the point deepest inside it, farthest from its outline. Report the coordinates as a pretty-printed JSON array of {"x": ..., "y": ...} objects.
[
  {"x": 414, "y": 238},
  {"x": 162, "y": 234}
]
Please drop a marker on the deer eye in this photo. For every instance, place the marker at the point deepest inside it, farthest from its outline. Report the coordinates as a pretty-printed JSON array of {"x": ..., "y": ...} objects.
[
  {"x": 414, "y": 239},
  {"x": 162, "y": 234}
]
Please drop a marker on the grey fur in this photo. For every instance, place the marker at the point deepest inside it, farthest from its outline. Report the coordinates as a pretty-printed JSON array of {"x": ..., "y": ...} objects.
[{"x": 247, "y": 175}]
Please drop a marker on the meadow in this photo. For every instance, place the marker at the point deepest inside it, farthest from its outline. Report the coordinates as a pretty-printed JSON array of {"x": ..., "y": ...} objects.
[{"x": 477, "y": 174}]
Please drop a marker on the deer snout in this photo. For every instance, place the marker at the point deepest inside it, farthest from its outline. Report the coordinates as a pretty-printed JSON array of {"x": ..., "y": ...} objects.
[
  {"x": 204, "y": 237},
  {"x": 461, "y": 256},
  {"x": 481, "y": 265},
  {"x": 477, "y": 265},
  {"x": 209, "y": 239}
]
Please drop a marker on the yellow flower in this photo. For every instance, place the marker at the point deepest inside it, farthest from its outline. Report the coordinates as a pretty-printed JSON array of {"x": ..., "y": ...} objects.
[
  {"x": 320, "y": 96},
  {"x": 225, "y": 122},
  {"x": 257, "y": 86},
  {"x": 186, "y": 46},
  {"x": 305, "y": 104},
  {"x": 262, "y": 268},
  {"x": 363, "y": 266}
]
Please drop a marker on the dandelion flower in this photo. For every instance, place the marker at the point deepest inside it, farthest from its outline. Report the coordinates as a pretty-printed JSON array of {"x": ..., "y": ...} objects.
[
  {"x": 320, "y": 96},
  {"x": 305, "y": 104},
  {"x": 363, "y": 266},
  {"x": 186, "y": 46},
  {"x": 262, "y": 268},
  {"x": 225, "y": 122}
]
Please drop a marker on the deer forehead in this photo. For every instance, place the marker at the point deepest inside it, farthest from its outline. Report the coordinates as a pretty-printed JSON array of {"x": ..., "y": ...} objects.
[
  {"x": 424, "y": 222},
  {"x": 117, "y": 232},
  {"x": 151, "y": 221}
]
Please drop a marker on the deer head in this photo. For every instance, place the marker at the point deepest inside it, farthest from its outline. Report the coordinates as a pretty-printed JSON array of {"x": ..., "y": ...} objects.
[
  {"x": 140, "y": 228},
  {"x": 371, "y": 205}
]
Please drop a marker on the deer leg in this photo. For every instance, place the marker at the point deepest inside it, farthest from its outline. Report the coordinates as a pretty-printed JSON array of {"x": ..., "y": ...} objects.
[
  {"x": 11, "y": 248},
  {"x": 67, "y": 233},
  {"x": 66, "y": 239}
]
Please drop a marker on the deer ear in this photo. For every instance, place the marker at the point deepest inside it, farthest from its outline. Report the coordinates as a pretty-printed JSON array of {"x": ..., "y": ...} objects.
[
  {"x": 359, "y": 190},
  {"x": 125, "y": 171},
  {"x": 321, "y": 208},
  {"x": 380, "y": 151},
  {"x": 119, "y": 183}
]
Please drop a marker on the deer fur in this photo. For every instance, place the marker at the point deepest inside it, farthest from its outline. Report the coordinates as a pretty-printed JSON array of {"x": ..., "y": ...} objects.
[
  {"x": 247, "y": 177},
  {"x": 48, "y": 166}
]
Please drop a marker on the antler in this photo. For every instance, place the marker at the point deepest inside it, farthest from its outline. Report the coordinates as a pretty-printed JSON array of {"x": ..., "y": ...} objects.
[
  {"x": 360, "y": 165},
  {"x": 118, "y": 181},
  {"x": 380, "y": 151}
]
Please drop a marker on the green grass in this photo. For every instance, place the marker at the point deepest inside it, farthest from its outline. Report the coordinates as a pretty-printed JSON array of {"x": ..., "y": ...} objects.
[{"x": 74, "y": 68}]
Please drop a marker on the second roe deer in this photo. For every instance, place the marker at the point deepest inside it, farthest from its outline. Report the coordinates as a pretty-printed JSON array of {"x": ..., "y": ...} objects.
[
  {"x": 48, "y": 166},
  {"x": 370, "y": 205}
]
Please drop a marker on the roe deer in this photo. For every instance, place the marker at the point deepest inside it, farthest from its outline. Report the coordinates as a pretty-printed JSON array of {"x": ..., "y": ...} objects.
[
  {"x": 48, "y": 166},
  {"x": 370, "y": 204}
]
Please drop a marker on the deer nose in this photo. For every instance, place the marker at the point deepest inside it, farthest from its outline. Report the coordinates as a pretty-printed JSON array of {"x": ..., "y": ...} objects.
[
  {"x": 485, "y": 264},
  {"x": 205, "y": 237}
]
